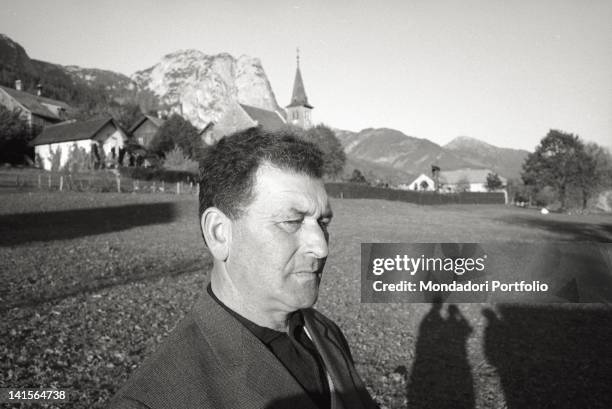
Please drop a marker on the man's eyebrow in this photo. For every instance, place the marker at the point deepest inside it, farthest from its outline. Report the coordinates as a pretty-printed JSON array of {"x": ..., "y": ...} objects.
[{"x": 326, "y": 213}]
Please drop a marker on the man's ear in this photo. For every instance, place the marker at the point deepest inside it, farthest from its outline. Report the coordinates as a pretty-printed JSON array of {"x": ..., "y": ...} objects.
[{"x": 217, "y": 230}]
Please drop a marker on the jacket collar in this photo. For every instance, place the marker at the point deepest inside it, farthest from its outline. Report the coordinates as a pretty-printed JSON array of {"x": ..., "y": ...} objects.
[{"x": 245, "y": 357}]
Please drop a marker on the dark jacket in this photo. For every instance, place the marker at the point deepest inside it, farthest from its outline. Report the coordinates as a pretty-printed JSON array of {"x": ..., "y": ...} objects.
[{"x": 212, "y": 361}]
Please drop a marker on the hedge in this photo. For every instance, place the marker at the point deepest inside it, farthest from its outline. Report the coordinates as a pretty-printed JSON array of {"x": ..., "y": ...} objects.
[
  {"x": 361, "y": 191},
  {"x": 159, "y": 174}
]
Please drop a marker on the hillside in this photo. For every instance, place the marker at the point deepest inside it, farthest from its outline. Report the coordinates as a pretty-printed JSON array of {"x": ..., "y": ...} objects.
[
  {"x": 505, "y": 161},
  {"x": 391, "y": 155}
]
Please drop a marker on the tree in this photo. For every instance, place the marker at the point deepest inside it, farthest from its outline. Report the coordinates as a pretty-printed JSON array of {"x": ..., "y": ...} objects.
[
  {"x": 177, "y": 131},
  {"x": 357, "y": 177},
  {"x": 334, "y": 157},
  {"x": 424, "y": 185},
  {"x": 595, "y": 165},
  {"x": 493, "y": 182},
  {"x": 15, "y": 134},
  {"x": 556, "y": 162},
  {"x": 127, "y": 115}
]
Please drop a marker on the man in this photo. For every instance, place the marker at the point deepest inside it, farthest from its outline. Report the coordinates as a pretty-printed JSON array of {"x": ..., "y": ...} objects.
[{"x": 253, "y": 340}]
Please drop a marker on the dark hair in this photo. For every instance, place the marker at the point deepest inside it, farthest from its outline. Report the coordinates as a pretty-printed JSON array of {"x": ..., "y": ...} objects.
[{"x": 227, "y": 169}]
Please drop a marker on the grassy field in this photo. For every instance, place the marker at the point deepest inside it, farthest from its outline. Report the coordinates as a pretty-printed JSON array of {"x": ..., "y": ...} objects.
[{"x": 92, "y": 283}]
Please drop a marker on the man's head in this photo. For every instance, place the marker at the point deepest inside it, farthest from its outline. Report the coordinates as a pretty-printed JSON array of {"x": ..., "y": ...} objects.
[{"x": 264, "y": 214}]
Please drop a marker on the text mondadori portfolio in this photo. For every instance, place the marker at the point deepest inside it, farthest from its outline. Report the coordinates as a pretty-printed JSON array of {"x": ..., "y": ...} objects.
[{"x": 486, "y": 286}]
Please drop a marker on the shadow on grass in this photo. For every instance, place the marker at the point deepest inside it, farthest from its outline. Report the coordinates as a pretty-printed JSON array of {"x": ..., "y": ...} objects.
[
  {"x": 441, "y": 376},
  {"x": 575, "y": 230},
  {"x": 31, "y": 300},
  {"x": 23, "y": 228},
  {"x": 551, "y": 357}
]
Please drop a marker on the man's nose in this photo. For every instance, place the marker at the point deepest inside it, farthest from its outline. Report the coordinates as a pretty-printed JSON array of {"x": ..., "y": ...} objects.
[{"x": 315, "y": 239}]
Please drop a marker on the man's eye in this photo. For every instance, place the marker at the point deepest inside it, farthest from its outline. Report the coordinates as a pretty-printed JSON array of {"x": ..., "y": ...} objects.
[
  {"x": 293, "y": 221},
  {"x": 292, "y": 225}
]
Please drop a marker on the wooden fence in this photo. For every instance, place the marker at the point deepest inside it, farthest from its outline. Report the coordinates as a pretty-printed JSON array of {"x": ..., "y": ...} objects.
[{"x": 98, "y": 181}]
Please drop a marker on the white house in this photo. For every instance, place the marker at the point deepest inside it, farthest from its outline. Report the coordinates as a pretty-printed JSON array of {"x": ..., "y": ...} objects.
[
  {"x": 422, "y": 183},
  {"x": 471, "y": 180},
  {"x": 58, "y": 141}
]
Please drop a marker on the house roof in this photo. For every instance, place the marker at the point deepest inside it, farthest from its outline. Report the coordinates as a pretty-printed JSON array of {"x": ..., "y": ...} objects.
[
  {"x": 71, "y": 131},
  {"x": 35, "y": 103},
  {"x": 452, "y": 177},
  {"x": 158, "y": 122},
  {"x": 269, "y": 120},
  {"x": 299, "y": 97},
  {"x": 422, "y": 175}
]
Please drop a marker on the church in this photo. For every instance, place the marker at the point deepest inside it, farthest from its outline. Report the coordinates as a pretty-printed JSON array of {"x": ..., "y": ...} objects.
[{"x": 238, "y": 117}]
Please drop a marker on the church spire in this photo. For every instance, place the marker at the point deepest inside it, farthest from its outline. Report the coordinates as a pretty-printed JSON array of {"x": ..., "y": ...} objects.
[{"x": 299, "y": 97}]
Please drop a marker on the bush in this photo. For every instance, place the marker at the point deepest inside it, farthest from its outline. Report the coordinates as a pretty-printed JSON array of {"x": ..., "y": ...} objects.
[{"x": 177, "y": 160}]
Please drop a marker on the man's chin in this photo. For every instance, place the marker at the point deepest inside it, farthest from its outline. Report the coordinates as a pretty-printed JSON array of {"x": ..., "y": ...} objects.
[{"x": 308, "y": 292}]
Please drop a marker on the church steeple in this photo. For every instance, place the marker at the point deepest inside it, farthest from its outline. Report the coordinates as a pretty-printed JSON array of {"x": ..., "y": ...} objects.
[{"x": 298, "y": 110}]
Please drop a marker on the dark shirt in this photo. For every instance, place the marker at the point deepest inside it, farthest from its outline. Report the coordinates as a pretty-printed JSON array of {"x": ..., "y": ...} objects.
[{"x": 295, "y": 351}]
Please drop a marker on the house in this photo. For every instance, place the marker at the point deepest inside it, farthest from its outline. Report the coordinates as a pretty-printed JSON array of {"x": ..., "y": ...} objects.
[
  {"x": 102, "y": 138},
  {"x": 238, "y": 117},
  {"x": 422, "y": 183},
  {"x": 36, "y": 109},
  {"x": 145, "y": 129},
  {"x": 472, "y": 180}
]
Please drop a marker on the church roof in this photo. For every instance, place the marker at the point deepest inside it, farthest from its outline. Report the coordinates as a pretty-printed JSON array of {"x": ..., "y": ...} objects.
[
  {"x": 269, "y": 120},
  {"x": 299, "y": 97}
]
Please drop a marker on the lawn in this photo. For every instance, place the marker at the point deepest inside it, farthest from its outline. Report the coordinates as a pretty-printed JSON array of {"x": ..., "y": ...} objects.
[{"x": 92, "y": 283}]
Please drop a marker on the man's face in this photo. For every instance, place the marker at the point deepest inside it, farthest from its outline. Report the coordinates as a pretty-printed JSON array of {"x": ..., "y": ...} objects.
[{"x": 279, "y": 244}]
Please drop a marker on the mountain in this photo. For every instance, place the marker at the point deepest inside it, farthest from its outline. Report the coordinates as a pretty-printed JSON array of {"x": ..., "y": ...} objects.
[
  {"x": 200, "y": 86},
  {"x": 119, "y": 88},
  {"x": 391, "y": 155},
  {"x": 16, "y": 64},
  {"x": 392, "y": 148},
  {"x": 505, "y": 161}
]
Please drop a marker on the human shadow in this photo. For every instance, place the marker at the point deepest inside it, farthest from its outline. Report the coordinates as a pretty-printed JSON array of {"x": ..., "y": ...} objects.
[
  {"x": 23, "y": 228},
  {"x": 441, "y": 376},
  {"x": 576, "y": 231},
  {"x": 551, "y": 357}
]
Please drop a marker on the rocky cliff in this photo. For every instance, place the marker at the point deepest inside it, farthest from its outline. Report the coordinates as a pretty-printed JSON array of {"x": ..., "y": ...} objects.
[{"x": 201, "y": 86}]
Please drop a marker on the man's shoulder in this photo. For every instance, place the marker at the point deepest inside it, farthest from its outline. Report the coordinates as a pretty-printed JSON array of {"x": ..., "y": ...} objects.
[{"x": 181, "y": 365}]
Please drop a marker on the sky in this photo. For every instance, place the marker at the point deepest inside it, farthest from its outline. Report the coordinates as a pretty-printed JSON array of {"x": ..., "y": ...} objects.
[{"x": 504, "y": 72}]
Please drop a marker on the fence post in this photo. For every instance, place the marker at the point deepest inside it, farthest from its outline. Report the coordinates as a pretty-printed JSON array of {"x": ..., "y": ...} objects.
[
  {"x": 118, "y": 184},
  {"x": 39, "y": 183},
  {"x": 178, "y": 188},
  {"x": 61, "y": 183},
  {"x": 163, "y": 186}
]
